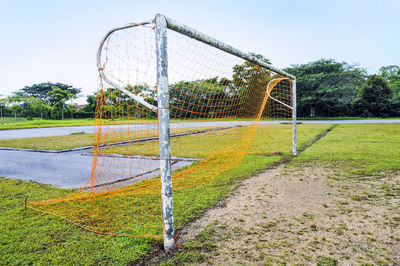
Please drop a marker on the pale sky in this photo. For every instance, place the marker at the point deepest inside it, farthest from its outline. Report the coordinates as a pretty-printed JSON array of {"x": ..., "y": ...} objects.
[{"x": 56, "y": 40}]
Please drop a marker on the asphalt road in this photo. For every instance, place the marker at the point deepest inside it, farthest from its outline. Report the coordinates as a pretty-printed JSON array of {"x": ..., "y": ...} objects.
[{"x": 69, "y": 169}]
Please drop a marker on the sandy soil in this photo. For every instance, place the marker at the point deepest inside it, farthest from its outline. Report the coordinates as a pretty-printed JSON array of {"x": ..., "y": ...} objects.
[{"x": 308, "y": 216}]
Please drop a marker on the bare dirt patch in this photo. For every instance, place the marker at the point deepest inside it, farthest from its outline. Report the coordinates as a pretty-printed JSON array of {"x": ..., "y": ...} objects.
[{"x": 306, "y": 215}]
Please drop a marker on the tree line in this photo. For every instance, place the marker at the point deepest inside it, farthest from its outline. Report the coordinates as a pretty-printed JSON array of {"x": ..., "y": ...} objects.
[
  {"x": 325, "y": 88},
  {"x": 47, "y": 101}
]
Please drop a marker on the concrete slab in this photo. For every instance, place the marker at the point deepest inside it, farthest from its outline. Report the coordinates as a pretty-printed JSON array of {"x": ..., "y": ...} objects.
[{"x": 69, "y": 169}]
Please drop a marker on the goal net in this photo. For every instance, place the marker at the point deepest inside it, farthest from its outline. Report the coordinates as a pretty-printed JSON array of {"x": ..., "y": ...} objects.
[{"x": 217, "y": 100}]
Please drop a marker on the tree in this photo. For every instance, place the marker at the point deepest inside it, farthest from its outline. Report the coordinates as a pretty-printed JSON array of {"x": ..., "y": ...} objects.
[
  {"x": 249, "y": 83},
  {"x": 375, "y": 98},
  {"x": 192, "y": 99},
  {"x": 326, "y": 87},
  {"x": 2, "y": 106},
  {"x": 42, "y": 91},
  {"x": 91, "y": 104},
  {"x": 392, "y": 76},
  {"x": 14, "y": 102},
  {"x": 34, "y": 107},
  {"x": 60, "y": 96}
]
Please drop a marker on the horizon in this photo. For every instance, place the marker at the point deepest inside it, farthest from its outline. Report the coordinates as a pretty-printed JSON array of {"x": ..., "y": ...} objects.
[{"x": 57, "y": 42}]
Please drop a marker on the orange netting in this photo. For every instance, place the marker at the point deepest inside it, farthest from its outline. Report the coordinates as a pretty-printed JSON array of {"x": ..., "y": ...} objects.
[{"x": 216, "y": 103}]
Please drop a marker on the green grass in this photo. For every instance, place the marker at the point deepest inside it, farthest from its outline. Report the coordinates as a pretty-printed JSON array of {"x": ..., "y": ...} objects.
[
  {"x": 32, "y": 237},
  {"x": 369, "y": 148},
  {"x": 20, "y": 123},
  {"x": 29, "y": 237},
  {"x": 184, "y": 147},
  {"x": 50, "y": 143},
  {"x": 81, "y": 139},
  {"x": 344, "y": 118},
  {"x": 35, "y": 123},
  {"x": 269, "y": 139},
  {"x": 11, "y": 123}
]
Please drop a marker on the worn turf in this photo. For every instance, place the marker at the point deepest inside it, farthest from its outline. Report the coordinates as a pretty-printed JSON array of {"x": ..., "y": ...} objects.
[
  {"x": 29, "y": 237},
  {"x": 335, "y": 204}
]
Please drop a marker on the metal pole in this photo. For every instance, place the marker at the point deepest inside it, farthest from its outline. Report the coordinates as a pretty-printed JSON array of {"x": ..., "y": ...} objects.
[
  {"x": 109, "y": 81},
  {"x": 164, "y": 133},
  {"x": 294, "y": 117}
]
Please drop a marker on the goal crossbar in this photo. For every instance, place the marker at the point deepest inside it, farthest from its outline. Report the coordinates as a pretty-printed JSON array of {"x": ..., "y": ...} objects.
[
  {"x": 192, "y": 33},
  {"x": 162, "y": 23}
]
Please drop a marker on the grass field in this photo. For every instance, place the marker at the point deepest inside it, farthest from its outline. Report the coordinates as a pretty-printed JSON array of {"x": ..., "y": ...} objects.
[
  {"x": 187, "y": 148},
  {"x": 337, "y": 203},
  {"x": 11, "y": 123},
  {"x": 366, "y": 149},
  {"x": 345, "y": 118},
  {"x": 357, "y": 153},
  {"x": 33, "y": 237},
  {"x": 269, "y": 139},
  {"x": 82, "y": 139}
]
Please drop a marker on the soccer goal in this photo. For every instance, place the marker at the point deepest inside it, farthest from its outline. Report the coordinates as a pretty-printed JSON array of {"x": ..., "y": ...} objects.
[{"x": 176, "y": 109}]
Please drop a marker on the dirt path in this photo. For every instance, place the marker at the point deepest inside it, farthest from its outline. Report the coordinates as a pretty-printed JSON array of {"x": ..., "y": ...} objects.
[{"x": 308, "y": 216}]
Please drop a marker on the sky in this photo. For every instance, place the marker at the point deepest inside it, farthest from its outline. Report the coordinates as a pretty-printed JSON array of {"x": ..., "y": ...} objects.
[{"x": 56, "y": 41}]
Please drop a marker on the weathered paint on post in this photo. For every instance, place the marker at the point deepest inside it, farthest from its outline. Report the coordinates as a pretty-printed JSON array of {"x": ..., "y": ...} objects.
[
  {"x": 294, "y": 117},
  {"x": 161, "y": 24},
  {"x": 164, "y": 133}
]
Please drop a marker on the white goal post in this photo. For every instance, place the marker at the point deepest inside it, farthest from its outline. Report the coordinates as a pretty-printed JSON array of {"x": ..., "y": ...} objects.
[{"x": 162, "y": 23}]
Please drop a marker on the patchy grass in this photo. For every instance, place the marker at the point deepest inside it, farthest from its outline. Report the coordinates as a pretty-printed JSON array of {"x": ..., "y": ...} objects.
[
  {"x": 337, "y": 203},
  {"x": 269, "y": 140},
  {"x": 23, "y": 123},
  {"x": 365, "y": 149},
  {"x": 74, "y": 140},
  {"x": 31, "y": 237},
  {"x": 11, "y": 123},
  {"x": 345, "y": 118},
  {"x": 82, "y": 139}
]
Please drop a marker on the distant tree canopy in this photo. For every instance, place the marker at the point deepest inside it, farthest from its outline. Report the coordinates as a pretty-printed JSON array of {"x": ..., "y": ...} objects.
[
  {"x": 326, "y": 87},
  {"x": 33, "y": 106},
  {"x": 249, "y": 75},
  {"x": 59, "y": 97},
  {"x": 14, "y": 103},
  {"x": 190, "y": 99},
  {"x": 42, "y": 91},
  {"x": 392, "y": 76},
  {"x": 219, "y": 97},
  {"x": 375, "y": 98},
  {"x": 116, "y": 104},
  {"x": 45, "y": 100}
]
